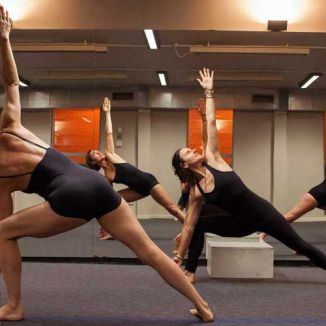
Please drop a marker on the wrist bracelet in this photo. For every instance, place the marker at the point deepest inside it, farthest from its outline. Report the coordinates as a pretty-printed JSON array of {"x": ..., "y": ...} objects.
[{"x": 209, "y": 91}]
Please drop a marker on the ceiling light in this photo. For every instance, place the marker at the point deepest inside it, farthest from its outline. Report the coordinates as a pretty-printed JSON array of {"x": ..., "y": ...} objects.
[
  {"x": 163, "y": 77},
  {"x": 23, "y": 82},
  {"x": 309, "y": 80},
  {"x": 151, "y": 40}
]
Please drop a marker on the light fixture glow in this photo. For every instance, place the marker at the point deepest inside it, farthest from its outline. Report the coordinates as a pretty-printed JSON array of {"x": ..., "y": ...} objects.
[
  {"x": 162, "y": 75},
  {"x": 151, "y": 40},
  {"x": 17, "y": 8},
  {"x": 309, "y": 80},
  {"x": 264, "y": 10}
]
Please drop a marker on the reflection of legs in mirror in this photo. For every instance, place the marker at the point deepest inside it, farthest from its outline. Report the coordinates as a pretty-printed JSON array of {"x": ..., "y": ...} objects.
[
  {"x": 37, "y": 221},
  {"x": 124, "y": 226}
]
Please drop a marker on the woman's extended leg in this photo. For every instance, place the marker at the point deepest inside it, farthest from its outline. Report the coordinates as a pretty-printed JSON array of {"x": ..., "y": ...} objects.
[
  {"x": 280, "y": 229},
  {"x": 124, "y": 226},
  {"x": 160, "y": 196},
  {"x": 37, "y": 221},
  {"x": 128, "y": 195}
]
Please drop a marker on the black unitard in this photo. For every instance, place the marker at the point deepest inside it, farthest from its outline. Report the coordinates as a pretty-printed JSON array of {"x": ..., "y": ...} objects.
[
  {"x": 140, "y": 181},
  {"x": 212, "y": 219},
  {"x": 319, "y": 193},
  {"x": 250, "y": 213},
  {"x": 70, "y": 189}
]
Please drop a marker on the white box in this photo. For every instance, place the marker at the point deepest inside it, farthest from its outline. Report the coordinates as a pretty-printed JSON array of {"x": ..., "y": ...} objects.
[{"x": 239, "y": 259}]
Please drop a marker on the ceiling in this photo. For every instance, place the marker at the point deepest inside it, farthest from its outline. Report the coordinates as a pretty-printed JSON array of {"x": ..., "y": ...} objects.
[{"x": 129, "y": 63}]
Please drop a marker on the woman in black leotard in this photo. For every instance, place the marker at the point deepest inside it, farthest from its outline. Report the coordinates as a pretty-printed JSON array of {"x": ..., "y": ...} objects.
[
  {"x": 141, "y": 184},
  {"x": 314, "y": 198},
  {"x": 210, "y": 220},
  {"x": 73, "y": 194},
  {"x": 211, "y": 217},
  {"x": 212, "y": 178}
]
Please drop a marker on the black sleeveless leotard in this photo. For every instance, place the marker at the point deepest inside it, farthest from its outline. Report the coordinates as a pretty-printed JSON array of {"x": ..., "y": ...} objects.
[
  {"x": 250, "y": 213},
  {"x": 319, "y": 193},
  {"x": 247, "y": 209},
  {"x": 140, "y": 181},
  {"x": 70, "y": 189}
]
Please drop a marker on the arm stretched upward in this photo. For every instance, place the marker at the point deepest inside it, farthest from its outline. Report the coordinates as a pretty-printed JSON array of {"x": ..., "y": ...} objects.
[
  {"x": 109, "y": 141},
  {"x": 213, "y": 154},
  {"x": 11, "y": 115}
]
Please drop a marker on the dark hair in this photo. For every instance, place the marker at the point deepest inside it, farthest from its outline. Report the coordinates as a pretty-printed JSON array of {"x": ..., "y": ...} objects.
[
  {"x": 89, "y": 161},
  {"x": 185, "y": 175}
]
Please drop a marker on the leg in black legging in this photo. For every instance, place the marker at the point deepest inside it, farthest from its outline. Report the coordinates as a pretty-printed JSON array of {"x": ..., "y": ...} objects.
[
  {"x": 279, "y": 228},
  {"x": 205, "y": 224},
  {"x": 195, "y": 248}
]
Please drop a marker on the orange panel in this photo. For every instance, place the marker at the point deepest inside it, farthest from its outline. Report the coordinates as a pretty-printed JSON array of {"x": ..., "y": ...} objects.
[
  {"x": 224, "y": 122},
  {"x": 76, "y": 131}
]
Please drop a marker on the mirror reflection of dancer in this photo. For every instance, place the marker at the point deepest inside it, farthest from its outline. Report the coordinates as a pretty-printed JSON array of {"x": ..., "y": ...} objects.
[
  {"x": 314, "y": 198},
  {"x": 73, "y": 194},
  {"x": 212, "y": 178},
  {"x": 141, "y": 184}
]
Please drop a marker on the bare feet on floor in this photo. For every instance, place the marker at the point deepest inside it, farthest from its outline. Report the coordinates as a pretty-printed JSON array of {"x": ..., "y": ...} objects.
[
  {"x": 205, "y": 315},
  {"x": 103, "y": 235},
  {"x": 190, "y": 276},
  {"x": 8, "y": 312}
]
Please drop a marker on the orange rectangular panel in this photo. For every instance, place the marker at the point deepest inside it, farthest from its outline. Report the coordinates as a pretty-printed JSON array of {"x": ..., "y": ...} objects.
[
  {"x": 224, "y": 123},
  {"x": 75, "y": 131}
]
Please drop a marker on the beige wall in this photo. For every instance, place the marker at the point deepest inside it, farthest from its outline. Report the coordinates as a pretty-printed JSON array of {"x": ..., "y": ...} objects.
[
  {"x": 252, "y": 150},
  {"x": 305, "y": 154},
  {"x": 168, "y": 133}
]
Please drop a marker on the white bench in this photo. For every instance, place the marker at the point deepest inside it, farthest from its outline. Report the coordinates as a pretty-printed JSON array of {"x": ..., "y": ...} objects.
[{"x": 239, "y": 257}]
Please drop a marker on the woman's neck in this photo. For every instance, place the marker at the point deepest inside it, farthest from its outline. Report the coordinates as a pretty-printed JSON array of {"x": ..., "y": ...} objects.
[{"x": 199, "y": 171}]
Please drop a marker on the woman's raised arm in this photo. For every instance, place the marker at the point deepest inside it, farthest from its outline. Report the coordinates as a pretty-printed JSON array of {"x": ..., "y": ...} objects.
[{"x": 11, "y": 114}]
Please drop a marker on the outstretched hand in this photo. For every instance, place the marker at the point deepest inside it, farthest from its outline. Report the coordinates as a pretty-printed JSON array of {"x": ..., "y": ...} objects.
[
  {"x": 106, "y": 105},
  {"x": 5, "y": 23},
  {"x": 206, "y": 79}
]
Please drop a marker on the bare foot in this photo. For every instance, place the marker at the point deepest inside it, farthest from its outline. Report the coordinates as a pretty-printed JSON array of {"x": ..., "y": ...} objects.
[
  {"x": 8, "y": 312},
  {"x": 107, "y": 237},
  {"x": 206, "y": 315},
  {"x": 103, "y": 235},
  {"x": 190, "y": 276}
]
